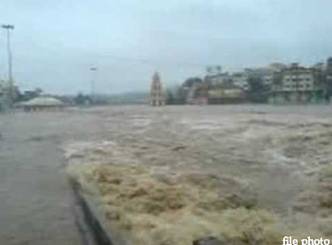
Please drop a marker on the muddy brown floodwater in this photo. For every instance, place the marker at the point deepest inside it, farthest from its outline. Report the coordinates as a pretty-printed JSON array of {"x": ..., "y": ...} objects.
[{"x": 279, "y": 150}]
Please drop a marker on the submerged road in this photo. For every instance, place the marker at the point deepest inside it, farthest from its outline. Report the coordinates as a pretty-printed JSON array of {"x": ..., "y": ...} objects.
[{"x": 36, "y": 204}]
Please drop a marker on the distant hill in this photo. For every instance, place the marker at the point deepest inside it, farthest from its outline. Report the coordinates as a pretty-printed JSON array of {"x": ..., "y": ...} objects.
[
  {"x": 126, "y": 98},
  {"x": 129, "y": 98}
]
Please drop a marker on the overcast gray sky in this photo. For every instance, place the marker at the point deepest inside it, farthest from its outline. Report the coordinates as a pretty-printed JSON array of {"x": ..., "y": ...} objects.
[{"x": 55, "y": 42}]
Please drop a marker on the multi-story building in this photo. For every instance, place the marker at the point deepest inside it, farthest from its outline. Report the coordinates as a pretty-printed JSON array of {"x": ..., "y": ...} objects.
[
  {"x": 298, "y": 84},
  {"x": 226, "y": 93},
  {"x": 157, "y": 97},
  {"x": 216, "y": 88},
  {"x": 329, "y": 75},
  {"x": 240, "y": 79},
  {"x": 266, "y": 73},
  {"x": 262, "y": 72},
  {"x": 219, "y": 78}
]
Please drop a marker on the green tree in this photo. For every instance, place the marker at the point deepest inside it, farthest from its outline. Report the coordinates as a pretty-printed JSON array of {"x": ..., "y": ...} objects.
[
  {"x": 170, "y": 98},
  {"x": 191, "y": 81},
  {"x": 258, "y": 92},
  {"x": 81, "y": 99},
  {"x": 180, "y": 96}
]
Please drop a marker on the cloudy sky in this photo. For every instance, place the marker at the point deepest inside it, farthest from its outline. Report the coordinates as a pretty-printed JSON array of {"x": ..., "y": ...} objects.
[{"x": 56, "y": 42}]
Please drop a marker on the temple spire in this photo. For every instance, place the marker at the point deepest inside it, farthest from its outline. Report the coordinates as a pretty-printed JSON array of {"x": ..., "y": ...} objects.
[{"x": 157, "y": 97}]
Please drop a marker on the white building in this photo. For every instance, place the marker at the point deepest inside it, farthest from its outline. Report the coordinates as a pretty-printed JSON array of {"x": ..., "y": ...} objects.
[
  {"x": 240, "y": 79},
  {"x": 217, "y": 79},
  {"x": 298, "y": 84}
]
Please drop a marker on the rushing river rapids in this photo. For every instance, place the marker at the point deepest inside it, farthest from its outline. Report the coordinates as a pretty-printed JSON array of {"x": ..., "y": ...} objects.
[
  {"x": 253, "y": 173},
  {"x": 196, "y": 163}
]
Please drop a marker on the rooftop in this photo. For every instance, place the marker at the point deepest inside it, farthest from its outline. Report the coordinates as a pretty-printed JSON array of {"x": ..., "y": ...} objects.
[{"x": 43, "y": 101}]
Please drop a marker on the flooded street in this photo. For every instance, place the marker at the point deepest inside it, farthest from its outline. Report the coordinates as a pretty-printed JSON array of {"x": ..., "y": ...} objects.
[
  {"x": 36, "y": 203},
  {"x": 277, "y": 150}
]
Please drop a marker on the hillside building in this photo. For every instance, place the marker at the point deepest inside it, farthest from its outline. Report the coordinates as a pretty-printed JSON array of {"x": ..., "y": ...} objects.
[
  {"x": 298, "y": 84},
  {"x": 240, "y": 79},
  {"x": 226, "y": 93}
]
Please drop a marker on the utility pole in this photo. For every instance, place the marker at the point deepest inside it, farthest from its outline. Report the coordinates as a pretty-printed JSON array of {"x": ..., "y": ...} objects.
[
  {"x": 8, "y": 28},
  {"x": 93, "y": 77}
]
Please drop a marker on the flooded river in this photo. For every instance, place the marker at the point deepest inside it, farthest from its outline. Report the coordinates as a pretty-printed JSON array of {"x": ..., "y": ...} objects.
[{"x": 274, "y": 147}]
